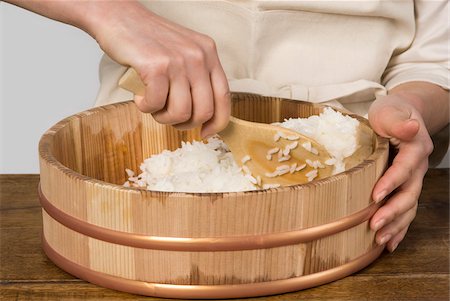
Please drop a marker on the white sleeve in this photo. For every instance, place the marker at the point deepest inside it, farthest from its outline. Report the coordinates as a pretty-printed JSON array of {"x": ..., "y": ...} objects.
[{"x": 427, "y": 58}]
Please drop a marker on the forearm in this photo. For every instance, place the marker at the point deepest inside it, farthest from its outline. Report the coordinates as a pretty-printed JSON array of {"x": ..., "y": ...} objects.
[
  {"x": 429, "y": 99},
  {"x": 93, "y": 17}
]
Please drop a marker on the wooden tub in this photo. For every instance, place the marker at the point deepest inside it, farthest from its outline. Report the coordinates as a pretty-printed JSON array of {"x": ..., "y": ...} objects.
[{"x": 188, "y": 245}]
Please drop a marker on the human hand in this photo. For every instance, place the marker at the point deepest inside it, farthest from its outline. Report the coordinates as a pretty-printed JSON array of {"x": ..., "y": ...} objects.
[
  {"x": 394, "y": 118},
  {"x": 185, "y": 83}
]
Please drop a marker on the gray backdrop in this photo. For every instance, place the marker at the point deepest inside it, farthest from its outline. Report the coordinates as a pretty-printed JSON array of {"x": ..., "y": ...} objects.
[{"x": 48, "y": 71}]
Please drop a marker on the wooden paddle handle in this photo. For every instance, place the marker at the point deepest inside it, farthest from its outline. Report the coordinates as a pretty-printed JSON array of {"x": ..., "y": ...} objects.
[{"x": 132, "y": 82}]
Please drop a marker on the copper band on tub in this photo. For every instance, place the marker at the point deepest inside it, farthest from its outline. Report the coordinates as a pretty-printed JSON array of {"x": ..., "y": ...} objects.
[
  {"x": 232, "y": 243},
  {"x": 212, "y": 291}
]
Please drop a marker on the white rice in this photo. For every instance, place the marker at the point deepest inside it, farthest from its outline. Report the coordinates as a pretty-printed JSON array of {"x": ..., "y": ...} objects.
[
  {"x": 210, "y": 167},
  {"x": 195, "y": 167},
  {"x": 335, "y": 131}
]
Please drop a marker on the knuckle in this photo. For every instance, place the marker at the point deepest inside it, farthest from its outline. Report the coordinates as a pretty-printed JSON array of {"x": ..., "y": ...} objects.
[
  {"x": 397, "y": 227},
  {"x": 409, "y": 172},
  {"x": 410, "y": 202},
  {"x": 177, "y": 60},
  {"x": 387, "y": 181},
  {"x": 408, "y": 209},
  {"x": 224, "y": 96},
  {"x": 156, "y": 103},
  {"x": 206, "y": 115},
  {"x": 402, "y": 171},
  {"x": 227, "y": 95},
  {"x": 159, "y": 65},
  {"x": 196, "y": 56},
  {"x": 142, "y": 105},
  {"x": 181, "y": 117},
  {"x": 209, "y": 44},
  {"x": 178, "y": 114},
  {"x": 153, "y": 105},
  {"x": 425, "y": 147},
  {"x": 394, "y": 214},
  {"x": 413, "y": 213},
  {"x": 428, "y": 147},
  {"x": 160, "y": 118}
]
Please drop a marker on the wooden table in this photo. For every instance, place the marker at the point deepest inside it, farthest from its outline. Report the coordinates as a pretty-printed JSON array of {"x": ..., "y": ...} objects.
[{"x": 417, "y": 270}]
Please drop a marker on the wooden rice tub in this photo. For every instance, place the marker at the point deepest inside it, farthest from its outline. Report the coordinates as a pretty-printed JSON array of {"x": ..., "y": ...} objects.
[{"x": 191, "y": 245}]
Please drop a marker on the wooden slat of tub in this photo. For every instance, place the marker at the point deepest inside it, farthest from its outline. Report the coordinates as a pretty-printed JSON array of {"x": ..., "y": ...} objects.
[
  {"x": 73, "y": 199},
  {"x": 418, "y": 270}
]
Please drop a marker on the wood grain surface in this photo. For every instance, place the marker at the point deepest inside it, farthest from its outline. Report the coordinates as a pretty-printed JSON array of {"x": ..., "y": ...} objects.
[{"x": 417, "y": 270}]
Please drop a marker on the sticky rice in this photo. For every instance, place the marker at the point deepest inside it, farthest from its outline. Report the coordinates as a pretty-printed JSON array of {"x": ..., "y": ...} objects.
[
  {"x": 195, "y": 167},
  {"x": 210, "y": 166},
  {"x": 335, "y": 131}
]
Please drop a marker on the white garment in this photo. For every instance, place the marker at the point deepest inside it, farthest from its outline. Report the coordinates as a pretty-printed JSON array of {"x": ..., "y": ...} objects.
[{"x": 316, "y": 51}]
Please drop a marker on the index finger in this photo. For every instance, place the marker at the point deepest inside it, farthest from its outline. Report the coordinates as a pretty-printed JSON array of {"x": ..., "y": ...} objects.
[{"x": 404, "y": 166}]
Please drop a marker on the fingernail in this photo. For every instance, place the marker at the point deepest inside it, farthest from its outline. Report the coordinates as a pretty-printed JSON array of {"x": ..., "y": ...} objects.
[
  {"x": 380, "y": 196},
  {"x": 384, "y": 239},
  {"x": 206, "y": 134},
  {"x": 378, "y": 225}
]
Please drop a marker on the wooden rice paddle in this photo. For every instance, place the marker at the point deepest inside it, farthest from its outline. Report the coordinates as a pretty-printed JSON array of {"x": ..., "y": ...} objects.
[{"x": 271, "y": 154}]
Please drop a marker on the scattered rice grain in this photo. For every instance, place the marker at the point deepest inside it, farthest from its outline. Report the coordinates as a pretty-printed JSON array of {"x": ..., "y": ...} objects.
[
  {"x": 315, "y": 164},
  {"x": 312, "y": 173},
  {"x": 292, "y": 137},
  {"x": 293, "y": 145},
  {"x": 246, "y": 170},
  {"x": 282, "y": 167},
  {"x": 284, "y": 158},
  {"x": 271, "y": 175},
  {"x": 283, "y": 172},
  {"x": 258, "y": 180},
  {"x": 245, "y": 159},
  {"x": 269, "y": 186},
  {"x": 293, "y": 167},
  {"x": 251, "y": 179},
  {"x": 307, "y": 145},
  {"x": 280, "y": 154},
  {"x": 273, "y": 150},
  {"x": 129, "y": 172},
  {"x": 300, "y": 167},
  {"x": 281, "y": 134},
  {"x": 311, "y": 178},
  {"x": 330, "y": 161}
]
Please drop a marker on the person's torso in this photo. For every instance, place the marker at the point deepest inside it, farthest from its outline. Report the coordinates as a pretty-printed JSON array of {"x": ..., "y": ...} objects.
[{"x": 308, "y": 50}]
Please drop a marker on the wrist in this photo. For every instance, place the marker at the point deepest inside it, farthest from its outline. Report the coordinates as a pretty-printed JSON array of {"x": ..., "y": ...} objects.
[{"x": 103, "y": 17}]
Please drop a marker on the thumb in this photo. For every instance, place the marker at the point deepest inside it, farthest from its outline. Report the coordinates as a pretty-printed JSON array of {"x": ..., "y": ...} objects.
[{"x": 392, "y": 120}]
